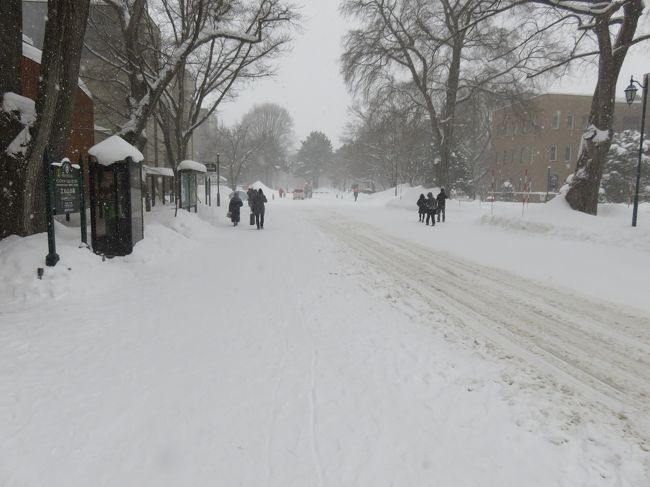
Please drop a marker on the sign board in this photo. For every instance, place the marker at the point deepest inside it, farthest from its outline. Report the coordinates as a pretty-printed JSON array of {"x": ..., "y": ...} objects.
[
  {"x": 210, "y": 166},
  {"x": 65, "y": 180}
]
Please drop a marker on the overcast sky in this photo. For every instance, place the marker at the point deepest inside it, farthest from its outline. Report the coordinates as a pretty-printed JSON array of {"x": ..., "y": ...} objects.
[{"x": 309, "y": 85}]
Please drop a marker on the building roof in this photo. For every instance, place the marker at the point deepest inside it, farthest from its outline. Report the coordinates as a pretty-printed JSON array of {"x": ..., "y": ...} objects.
[{"x": 35, "y": 54}]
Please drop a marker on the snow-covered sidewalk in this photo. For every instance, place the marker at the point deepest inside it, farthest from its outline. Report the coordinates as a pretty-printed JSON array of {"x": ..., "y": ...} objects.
[{"x": 229, "y": 356}]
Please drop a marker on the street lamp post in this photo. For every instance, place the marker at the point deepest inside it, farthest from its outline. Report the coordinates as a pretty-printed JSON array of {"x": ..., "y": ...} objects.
[
  {"x": 630, "y": 94},
  {"x": 218, "y": 183}
]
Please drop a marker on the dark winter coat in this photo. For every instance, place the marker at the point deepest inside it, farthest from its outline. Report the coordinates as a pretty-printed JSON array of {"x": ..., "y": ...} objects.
[
  {"x": 442, "y": 196},
  {"x": 432, "y": 204},
  {"x": 257, "y": 204},
  {"x": 422, "y": 204},
  {"x": 233, "y": 207},
  {"x": 250, "y": 194}
]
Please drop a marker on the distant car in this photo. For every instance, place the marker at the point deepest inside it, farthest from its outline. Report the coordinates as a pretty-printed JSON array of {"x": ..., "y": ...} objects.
[{"x": 298, "y": 194}]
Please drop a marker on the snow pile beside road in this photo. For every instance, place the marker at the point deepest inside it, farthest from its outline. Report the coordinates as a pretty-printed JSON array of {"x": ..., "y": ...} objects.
[
  {"x": 612, "y": 227},
  {"x": 80, "y": 272}
]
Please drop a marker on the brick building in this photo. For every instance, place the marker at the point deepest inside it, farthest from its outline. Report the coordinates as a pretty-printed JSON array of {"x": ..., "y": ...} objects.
[
  {"x": 82, "y": 134},
  {"x": 547, "y": 136}
]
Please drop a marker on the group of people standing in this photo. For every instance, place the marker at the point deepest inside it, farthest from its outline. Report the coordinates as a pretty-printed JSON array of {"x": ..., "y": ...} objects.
[
  {"x": 256, "y": 201},
  {"x": 428, "y": 207}
]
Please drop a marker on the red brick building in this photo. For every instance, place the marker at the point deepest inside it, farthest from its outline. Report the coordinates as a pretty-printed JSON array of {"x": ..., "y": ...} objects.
[{"x": 82, "y": 135}]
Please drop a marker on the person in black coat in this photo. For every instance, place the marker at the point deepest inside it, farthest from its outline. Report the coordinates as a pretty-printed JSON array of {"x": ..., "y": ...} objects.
[
  {"x": 258, "y": 208},
  {"x": 234, "y": 208},
  {"x": 422, "y": 210},
  {"x": 441, "y": 198},
  {"x": 431, "y": 209}
]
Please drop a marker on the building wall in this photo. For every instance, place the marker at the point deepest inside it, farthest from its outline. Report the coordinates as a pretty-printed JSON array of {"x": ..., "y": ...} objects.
[
  {"x": 549, "y": 137},
  {"x": 82, "y": 135}
]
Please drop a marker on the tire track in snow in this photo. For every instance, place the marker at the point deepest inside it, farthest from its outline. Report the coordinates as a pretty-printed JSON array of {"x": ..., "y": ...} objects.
[
  {"x": 274, "y": 411},
  {"x": 313, "y": 417},
  {"x": 562, "y": 335}
]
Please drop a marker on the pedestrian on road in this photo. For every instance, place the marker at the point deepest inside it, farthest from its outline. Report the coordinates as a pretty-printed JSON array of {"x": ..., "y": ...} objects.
[
  {"x": 441, "y": 203},
  {"x": 356, "y": 194},
  {"x": 258, "y": 207},
  {"x": 234, "y": 208},
  {"x": 422, "y": 210},
  {"x": 431, "y": 209}
]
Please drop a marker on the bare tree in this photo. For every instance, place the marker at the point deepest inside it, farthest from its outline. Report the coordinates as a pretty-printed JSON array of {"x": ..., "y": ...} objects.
[
  {"x": 24, "y": 193},
  {"x": 271, "y": 131},
  {"x": 192, "y": 25},
  {"x": 11, "y": 19},
  {"x": 613, "y": 24},
  {"x": 237, "y": 150},
  {"x": 209, "y": 76},
  {"x": 449, "y": 50}
]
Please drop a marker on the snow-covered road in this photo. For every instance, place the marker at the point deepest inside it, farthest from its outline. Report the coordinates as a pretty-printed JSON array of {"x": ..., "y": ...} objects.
[
  {"x": 318, "y": 352},
  {"x": 598, "y": 349}
]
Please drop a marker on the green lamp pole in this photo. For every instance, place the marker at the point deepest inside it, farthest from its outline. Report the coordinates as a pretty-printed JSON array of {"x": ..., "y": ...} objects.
[
  {"x": 218, "y": 183},
  {"x": 630, "y": 94}
]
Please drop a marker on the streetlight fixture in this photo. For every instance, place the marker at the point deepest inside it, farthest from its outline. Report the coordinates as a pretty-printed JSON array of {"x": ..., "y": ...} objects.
[
  {"x": 630, "y": 95},
  {"x": 218, "y": 183}
]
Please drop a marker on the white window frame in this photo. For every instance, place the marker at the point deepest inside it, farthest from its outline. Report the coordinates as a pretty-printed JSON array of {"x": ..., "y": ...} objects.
[
  {"x": 552, "y": 153},
  {"x": 570, "y": 121},
  {"x": 557, "y": 119},
  {"x": 570, "y": 153}
]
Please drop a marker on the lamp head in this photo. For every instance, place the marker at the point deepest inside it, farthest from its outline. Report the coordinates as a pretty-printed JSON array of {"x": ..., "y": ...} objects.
[{"x": 630, "y": 92}]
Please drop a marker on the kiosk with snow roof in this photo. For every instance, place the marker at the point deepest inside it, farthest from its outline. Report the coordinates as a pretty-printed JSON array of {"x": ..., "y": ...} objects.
[
  {"x": 116, "y": 216},
  {"x": 188, "y": 186}
]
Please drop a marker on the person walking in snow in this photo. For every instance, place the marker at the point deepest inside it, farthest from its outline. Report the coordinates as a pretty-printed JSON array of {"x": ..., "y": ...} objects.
[
  {"x": 258, "y": 207},
  {"x": 250, "y": 194},
  {"x": 234, "y": 208},
  {"x": 422, "y": 210},
  {"x": 441, "y": 198},
  {"x": 431, "y": 209}
]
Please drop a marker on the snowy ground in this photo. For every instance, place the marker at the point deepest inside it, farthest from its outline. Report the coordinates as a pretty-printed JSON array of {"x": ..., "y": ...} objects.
[{"x": 344, "y": 345}]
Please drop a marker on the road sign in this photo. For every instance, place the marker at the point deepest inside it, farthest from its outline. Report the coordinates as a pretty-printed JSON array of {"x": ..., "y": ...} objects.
[
  {"x": 210, "y": 166},
  {"x": 66, "y": 187}
]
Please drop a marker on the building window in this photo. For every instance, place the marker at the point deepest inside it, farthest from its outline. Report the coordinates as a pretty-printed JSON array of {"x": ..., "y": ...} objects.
[
  {"x": 569, "y": 121},
  {"x": 585, "y": 120},
  {"x": 522, "y": 155},
  {"x": 505, "y": 156},
  {"x": 567, "y": 153},
  {"x": 532, "y": 154},
  {"x": 514, "y": 129},
  {"x": 556, "y": 119},
  {"x": 553, "y": 153}
]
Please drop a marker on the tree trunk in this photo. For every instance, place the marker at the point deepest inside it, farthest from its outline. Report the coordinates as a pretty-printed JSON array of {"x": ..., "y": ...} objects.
[
  {"x": 11, "y": 40},
  {"x": 64, "y": 33},
  {"x": 585, "y": 184}
]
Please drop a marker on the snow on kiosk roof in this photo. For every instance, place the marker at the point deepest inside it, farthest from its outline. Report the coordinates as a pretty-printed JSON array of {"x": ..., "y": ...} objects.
[
  {"x": 188, "y": 165},
  {"x": 114, "y": 149}
]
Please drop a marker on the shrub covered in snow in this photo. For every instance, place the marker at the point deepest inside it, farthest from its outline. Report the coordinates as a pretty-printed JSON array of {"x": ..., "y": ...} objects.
[{"x": 619, "y": 174}]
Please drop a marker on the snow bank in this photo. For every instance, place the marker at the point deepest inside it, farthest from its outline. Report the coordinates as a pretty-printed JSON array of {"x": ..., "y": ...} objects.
[{"x": 114, "y": 149}]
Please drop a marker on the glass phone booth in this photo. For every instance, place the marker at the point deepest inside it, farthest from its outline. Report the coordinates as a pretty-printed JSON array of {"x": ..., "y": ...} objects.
[{"x": 116, "y": 213}]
